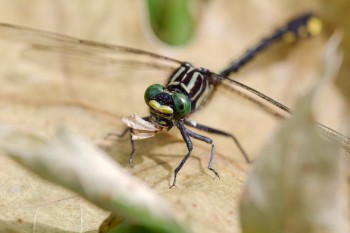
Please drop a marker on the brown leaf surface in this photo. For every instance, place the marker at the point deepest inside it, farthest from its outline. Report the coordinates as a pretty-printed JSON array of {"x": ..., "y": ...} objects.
[{"x": 37, "y": 99}]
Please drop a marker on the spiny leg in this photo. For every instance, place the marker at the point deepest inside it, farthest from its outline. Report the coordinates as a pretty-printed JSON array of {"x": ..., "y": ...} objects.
[
  {"x": 132, "y": 141},
  {"x": 218, "y": 132},
  {"x": 209, "y": 141},
  {"x": 185, "y": 136},
  {"x": 132, "y": 149},
  {"x": 300, "y": 27},
  {"x": 127, "y": 129}
]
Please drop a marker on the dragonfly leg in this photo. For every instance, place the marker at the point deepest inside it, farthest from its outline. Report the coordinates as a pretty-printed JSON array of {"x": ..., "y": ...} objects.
[
  {"x": 186, "y": 137},
  {"x": 186, "y": 134},
  {"x": 132, "y": 149},
  {"x": 218, "y": 132},
  {"x": 209, "y": 141},
  {"x": 125, "y": 131},
  {"x": 131, "y": 141}
]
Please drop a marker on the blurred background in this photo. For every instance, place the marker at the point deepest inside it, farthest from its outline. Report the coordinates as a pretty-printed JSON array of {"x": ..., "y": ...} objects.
[{"x": 206, "y": 33}]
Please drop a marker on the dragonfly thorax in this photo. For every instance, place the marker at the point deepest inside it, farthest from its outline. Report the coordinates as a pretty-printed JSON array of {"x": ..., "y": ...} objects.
[{"x": 166, "y": 106}]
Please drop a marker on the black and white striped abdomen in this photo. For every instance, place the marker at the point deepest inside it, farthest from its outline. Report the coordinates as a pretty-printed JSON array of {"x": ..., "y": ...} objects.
[{"x": 197, "y": 84}]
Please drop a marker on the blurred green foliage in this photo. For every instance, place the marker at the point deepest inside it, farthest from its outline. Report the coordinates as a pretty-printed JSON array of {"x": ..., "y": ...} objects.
[
  {"x": 132, "y": 228},
  {"x": 171, "y": 21}
]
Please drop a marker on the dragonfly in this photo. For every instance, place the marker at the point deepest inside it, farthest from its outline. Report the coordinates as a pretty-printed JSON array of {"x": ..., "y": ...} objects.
[{"x": 187, "y": 89}]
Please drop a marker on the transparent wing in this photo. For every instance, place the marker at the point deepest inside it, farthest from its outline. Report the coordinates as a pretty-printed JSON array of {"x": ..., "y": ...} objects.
[
  {"x": 81, "y": 51},
  {"x": 266, "y": 103},
  {"x": 101, "y": 78},
  {"x": 275, "y": 108}
]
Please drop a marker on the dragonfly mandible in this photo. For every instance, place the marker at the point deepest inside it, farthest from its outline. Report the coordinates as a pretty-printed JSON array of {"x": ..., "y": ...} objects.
[{"x": 187, "y": 89}]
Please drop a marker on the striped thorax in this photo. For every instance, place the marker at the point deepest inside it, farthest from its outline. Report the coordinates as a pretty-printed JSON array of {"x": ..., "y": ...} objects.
[{"x": 187, "y": 90}]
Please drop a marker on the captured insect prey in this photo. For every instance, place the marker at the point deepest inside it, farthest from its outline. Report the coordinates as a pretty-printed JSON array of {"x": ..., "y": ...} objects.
[{"x": 187, "y": 89}]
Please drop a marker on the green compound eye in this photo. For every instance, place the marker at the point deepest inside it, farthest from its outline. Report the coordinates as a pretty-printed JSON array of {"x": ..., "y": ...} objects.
[
  {"x": 152, "y": 91},
  {"x": 182, "y": 105}
]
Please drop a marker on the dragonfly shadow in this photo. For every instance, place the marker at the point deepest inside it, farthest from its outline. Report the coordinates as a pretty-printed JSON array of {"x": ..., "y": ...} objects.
[
  {"x": 163, "y": 160},
  {"x": 120, "y": 148},
  {"x": 163, "y": 154}
]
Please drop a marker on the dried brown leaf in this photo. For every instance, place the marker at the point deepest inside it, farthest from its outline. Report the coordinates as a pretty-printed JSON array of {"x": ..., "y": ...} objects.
[{"x": 37, "y": 100}]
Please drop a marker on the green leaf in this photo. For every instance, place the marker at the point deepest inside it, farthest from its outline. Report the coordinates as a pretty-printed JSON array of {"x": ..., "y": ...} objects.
[{"x": 171, "y": 21}]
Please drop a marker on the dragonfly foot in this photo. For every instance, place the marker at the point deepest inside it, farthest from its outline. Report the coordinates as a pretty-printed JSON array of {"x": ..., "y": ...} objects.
[
  {"x": 174, "y": 181},
  {"x": 215, "y": 172},
  {"x": 131, "y": 162},
  {"x": 108, "y": 135}
]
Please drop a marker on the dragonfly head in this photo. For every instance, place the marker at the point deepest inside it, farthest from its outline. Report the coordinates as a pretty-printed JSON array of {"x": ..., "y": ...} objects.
[{"x": 165, "y": 106}]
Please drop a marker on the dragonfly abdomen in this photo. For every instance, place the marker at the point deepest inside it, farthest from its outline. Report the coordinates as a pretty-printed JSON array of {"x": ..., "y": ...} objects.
[{"x": 197, "y": 84}]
